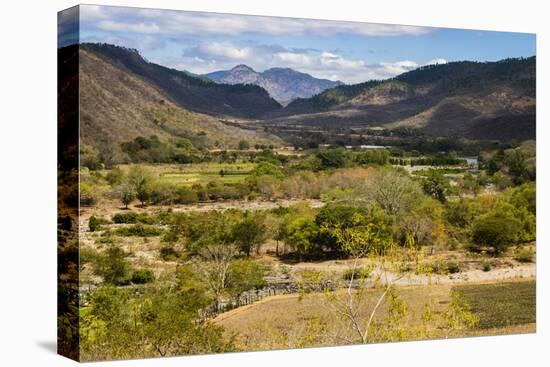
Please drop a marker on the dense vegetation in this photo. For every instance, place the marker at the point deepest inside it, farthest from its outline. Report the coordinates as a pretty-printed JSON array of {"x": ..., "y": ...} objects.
[
  {"x": 191, "y": 209},
  {"x": 443, "y": 205}
]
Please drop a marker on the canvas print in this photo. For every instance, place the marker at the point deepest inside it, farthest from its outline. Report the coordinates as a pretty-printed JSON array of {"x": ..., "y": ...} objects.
[{"x": 232, "y": 183}]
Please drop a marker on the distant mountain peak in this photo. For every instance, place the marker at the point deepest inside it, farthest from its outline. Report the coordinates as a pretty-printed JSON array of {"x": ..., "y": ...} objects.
[
  {"x": 282, "y": 83},
  {"x": 242, "y": 67}
]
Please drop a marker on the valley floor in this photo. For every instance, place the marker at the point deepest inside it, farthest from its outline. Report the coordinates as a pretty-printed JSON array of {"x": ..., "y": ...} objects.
[{"x": 292, "y": 321}]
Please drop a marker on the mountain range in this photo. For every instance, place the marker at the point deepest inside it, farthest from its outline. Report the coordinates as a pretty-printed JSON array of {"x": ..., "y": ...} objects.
[
  {"x": 283, "y": 84},
  {"x": 123, "y": 96},
  {"x": 478, "y": 100},
  {"x": 192, "y": 92}
]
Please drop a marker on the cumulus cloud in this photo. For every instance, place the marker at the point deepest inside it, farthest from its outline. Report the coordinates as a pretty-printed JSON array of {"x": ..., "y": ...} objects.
[
  {"x": 213, "y": 56},
  {"x": 209, "y": 42},
  {"x": 150, "y": 21},
  {"x": 143, "y": 44},
  {"x": 226, "y": 50}
]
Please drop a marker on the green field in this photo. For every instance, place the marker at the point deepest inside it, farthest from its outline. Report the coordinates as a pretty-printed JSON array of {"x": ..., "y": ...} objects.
[
  {"x": 189, "y": 174},
  {"x": 500, "y": 305},
  {"x": 202, "y": 177},
  {"x": 203, "y": 173}
]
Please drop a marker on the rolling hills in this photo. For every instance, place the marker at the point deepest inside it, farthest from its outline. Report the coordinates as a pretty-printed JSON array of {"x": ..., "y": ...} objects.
[
  {"x": 492, "y": 100},
  {"x": 124, "y": 96}
]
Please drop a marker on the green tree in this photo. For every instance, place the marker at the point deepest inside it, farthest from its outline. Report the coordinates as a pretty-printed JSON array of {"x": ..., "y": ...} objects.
[
  {"x": 332, "y": 158},
  {"x": 498, "y": 228},
  {"x": 126, "y": 194},
  {"x": 299, "y": 234},
  {"x": 245, "y": 274},
  {"x": 139, "y": 179},
  {"x": 517, "y": 166},
  {"x": 113, "y": 266},
  {"x": 249, "y": 234},
  {"x": 333, "y": 218},
  {"x": 471, "y": 184},
  {"x": 267, "y": 169},
  {"x": 244, "y": 145},
  {"x": 164, "y": 321},
  {"x": 436, "y": 185},
  {"x": 115, "y": 176}
]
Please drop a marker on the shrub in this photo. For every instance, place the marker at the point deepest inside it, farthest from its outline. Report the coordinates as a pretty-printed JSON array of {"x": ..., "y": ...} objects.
[
  {"x": 168, "y": 253},
  {"x": 138, "y": 230},
  {"x": 95, "y": 223},
  {"x": 267, "y": 169},
  {"x": 359, "y": 273},
  {"x": 87, "y": 256},
  {"x": 161, "y": 193},
  {"x": 88, "y": 194},
  {"x": 134, "y": 218},
  {"x": 496, "y": 230},
  {"x": 113, "y": 266},
  {"x": 129, "y": 218},
  {"x": 115, "y": 176},
  {"x": 453, "y": 268},
  {"x": 142, "y": 276},
  {"x": 434, "y": 267},
  {"x": 524, "y": 256},
  {"x": 486, "y": 266},
  {"x": 244, "y": 145},
  {"x": 185, "y": 195}
]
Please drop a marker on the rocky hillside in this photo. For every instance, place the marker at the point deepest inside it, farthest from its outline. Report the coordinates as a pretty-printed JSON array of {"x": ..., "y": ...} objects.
[
  {"x": 493, "y": 100},
  {"x": 117, "y": 106},
  {"x": 283, "y": 84},
  {"x": 194, "y": 93}
]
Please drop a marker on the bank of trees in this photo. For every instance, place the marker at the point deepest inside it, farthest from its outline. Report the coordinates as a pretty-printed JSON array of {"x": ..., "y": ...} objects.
[
  {"x": 120, "y": 323},
  {"x": 419, "y": 208},
  {"x": 513, "y": 166}
]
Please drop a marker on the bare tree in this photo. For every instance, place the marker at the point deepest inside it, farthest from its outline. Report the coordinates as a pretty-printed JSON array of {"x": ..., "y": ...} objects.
[
  {"x": 216, "y": 258},
  {"x": 392, "y": 190},
  {"x": 361, "y": 242}
]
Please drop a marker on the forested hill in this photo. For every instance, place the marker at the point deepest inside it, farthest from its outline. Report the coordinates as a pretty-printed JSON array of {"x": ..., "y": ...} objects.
[
  {"x": 194, "y": 93},
  {"x": 489, "y": 100},
  {"x": 464, "y": 77}
]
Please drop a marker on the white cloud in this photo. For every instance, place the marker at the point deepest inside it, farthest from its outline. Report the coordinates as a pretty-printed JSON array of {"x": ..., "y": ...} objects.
[
  {"x": 396, "y": 68},
  {"x": 193, "y": 23},
  {"x": 294, "y": 59},
  {"x": 438, "y": 61},
  {"x": 203, "y": 37},
  {"x": 109, "y": 25},
  {"x": 333, "y": 60},
  {"x": 226, "y": 50},
  {"x": 213, "y": 56},
  {"x": 143, "y": 43}
]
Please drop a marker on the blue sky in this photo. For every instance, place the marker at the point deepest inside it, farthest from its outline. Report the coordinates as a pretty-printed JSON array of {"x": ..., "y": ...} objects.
[{"x": 348, "y": 51}]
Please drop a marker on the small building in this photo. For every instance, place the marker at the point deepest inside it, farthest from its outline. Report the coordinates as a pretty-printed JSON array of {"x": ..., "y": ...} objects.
[{"x": 365, "y": 147}]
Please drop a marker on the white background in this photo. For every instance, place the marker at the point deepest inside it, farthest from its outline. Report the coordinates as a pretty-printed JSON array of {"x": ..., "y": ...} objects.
[{"x": 28, "y": 182}]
